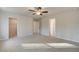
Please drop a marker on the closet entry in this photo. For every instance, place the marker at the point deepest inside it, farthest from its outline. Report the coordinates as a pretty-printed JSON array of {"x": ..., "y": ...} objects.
[
  {"x": 12, "y": 27},
  {"x": 52, "y": 28},
  {"x": 36, "y": 26}
]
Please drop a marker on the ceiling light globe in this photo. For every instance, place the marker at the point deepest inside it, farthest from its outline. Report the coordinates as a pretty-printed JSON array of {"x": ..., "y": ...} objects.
[{"x": 38, "y": 13}]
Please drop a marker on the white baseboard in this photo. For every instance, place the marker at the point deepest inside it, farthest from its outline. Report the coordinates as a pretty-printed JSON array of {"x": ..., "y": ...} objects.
[{"x": 66, "y": 39}]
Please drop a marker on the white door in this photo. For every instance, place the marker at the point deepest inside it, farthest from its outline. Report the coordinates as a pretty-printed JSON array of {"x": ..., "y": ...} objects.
[
  {"x": 36, "y": 27},
  {"x": 52, "y": 27}
]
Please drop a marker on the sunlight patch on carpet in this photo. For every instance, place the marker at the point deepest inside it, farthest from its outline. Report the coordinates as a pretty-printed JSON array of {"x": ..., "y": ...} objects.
[
  {"x": 34, "y": 46},
  {"x": 62, "y": 45},
  {"x": 47, "y": 45}
]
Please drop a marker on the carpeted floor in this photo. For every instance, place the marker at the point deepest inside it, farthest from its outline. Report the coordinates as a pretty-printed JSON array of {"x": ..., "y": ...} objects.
[{"x": 38, "y": 43}]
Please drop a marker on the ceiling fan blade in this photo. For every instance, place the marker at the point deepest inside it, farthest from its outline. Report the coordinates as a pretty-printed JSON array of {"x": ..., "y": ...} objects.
[
  {"x": 38, "y": 8},
  {"x": 41, "y": 14},
  {"x": 44, "y": 11},
  {"x": 34, "y": 13},
  {"x": 31, "y": 10}
]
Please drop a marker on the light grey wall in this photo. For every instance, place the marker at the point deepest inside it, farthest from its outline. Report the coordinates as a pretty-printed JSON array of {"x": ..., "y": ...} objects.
[
  {"x": 45, "y": 26},
  {"x": 0, "y": 28},
  {"x": 67, "y": 25},
  {"x": 4, "y": 26},
  {"x": 0, "y": 24},
  {"x": 24, "y": 25}
]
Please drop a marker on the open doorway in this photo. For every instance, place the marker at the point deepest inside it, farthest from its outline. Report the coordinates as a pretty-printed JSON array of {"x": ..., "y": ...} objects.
[
  {"x": 12, "y": 27},
  {"x": 36, "y": 27},
  {"x": 52, "y": 28}
]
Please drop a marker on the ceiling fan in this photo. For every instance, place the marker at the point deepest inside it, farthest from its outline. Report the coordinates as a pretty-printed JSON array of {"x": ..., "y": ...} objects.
[{"x": 38, "y": 10}]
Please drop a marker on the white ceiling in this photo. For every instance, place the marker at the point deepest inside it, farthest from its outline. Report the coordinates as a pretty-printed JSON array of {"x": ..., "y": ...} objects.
[{"x": 24, "y": 10}]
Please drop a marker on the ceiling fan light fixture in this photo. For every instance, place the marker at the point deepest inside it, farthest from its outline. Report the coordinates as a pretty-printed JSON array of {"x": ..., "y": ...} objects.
[{"x": 38, "y": 13}]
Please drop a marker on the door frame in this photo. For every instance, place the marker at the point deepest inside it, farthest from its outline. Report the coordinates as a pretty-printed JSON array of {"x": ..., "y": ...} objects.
[
  {"x": 52, "y": 27},
  {"x": 9, "y": 24},
  {"x": 39, "y": 27}
]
